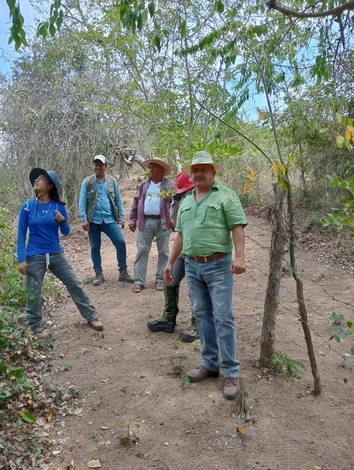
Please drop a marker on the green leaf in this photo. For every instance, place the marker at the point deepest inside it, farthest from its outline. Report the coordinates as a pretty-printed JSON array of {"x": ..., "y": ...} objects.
[
  {"x": 139, "y": 348},
  {"x": 157, "y": 42},
  {"x": 339, "y": 118},
  {"x": 337, "y": 338},
  {"x": 339, "y": 140},
  {"x": 144, "y": 17},
  {"x": 27, "y": 417},
  {"x": 151, "y": 8},
  {"x": 291, "y": 161},
  {"x": 349, "y": 324},
  {"x": 219, "y": 6},
  {"x": 345, "y": 380},
  {"x": 185, "y": 381},
  {"x": 322, "y": 353},
  {"x": 52, "y": 29},
  {"x": 183, "y": 28},
  {"x": 57, "y": 4}
]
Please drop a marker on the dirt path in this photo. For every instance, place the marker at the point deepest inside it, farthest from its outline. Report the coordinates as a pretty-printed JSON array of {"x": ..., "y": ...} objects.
[{"x": 126, "y": 376}]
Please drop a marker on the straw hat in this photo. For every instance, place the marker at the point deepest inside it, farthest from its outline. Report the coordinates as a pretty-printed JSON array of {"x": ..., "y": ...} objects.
[
  {"x": 160, "y": 162},
  {"x": 203, "y": 158}
]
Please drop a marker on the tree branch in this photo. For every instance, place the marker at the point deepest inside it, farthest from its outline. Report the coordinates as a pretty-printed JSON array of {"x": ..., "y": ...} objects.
[{"x": 272, "y": 5}]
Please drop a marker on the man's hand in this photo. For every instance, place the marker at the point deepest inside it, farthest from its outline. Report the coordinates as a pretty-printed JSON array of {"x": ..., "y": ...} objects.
[
  {"x": 168, "y": 273},
  {"x": 238, "y": 265},
  {"x": 132, "y": 227},
  {"x": 86, "y": 226},
  {"x": 122, "y": 222},
  {"x": 22, "y": 267}
]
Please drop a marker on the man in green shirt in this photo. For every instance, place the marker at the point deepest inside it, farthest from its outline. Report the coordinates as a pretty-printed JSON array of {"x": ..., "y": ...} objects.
[{"x": 210, "y": 222}]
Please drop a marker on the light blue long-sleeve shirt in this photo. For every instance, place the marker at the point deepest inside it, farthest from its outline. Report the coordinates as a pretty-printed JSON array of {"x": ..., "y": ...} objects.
[{"x": 103, "y": 211}]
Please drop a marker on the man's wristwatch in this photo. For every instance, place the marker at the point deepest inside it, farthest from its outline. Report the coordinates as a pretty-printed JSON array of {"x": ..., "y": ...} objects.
[{"x": 63, "y": 222}]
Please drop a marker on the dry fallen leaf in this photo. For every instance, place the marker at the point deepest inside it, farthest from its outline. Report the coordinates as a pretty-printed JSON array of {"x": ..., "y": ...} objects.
[
  {"x": 84, "y": 350},
  {"x": 105, "y": 428},
  {"x": 317, "y": 468},
  {"x": 323, "y": 353},
  {"x": 50, "y": 416},
  {"x": 71, "y": 465},
  {"x": 94, "y": 464},
  {"x": 78, "y": 411},
  {"x": 259, "y": 376},
  {"x": 56, "y": 452},
  {"x": 210, "y": 396},
  {"x": 239, "y": 430}
]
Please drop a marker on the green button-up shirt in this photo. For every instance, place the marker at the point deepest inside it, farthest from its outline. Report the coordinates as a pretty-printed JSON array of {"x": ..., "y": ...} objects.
[{"x": 206, "y": 225}]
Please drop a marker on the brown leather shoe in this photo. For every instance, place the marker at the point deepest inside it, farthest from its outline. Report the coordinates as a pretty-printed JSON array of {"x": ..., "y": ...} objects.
[
  {"x": 230, "y": 391},
  {"x": 197, "y": 375}
]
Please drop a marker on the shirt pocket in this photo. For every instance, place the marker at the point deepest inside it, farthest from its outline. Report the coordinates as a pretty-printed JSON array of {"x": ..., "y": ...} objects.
[
  {"x": 91, "y": 194},
  {"x": 184, "y": 213},
  {"x": 211, "y": 213}
]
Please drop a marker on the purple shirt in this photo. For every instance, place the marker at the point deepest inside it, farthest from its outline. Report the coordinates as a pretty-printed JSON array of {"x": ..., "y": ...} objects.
[{"x": 137, "y": 211}]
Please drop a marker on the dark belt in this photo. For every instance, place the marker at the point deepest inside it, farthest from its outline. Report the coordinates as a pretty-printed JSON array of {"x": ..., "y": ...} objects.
[
  {"x": 153, "y": 216},
  {"x": 206, "y": 259}
]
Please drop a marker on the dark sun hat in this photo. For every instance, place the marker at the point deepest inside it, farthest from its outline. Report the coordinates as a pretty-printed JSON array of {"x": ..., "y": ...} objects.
[{"x": 52, "y": 177}]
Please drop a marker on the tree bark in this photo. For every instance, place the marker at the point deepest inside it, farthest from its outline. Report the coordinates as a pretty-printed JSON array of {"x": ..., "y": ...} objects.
[
  {"x": 268, "y": 335},
  {"x": 303, "y": 315}
]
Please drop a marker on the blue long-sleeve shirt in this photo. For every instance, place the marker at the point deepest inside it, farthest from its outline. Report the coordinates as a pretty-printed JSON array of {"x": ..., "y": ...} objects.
[
  {"x": 38, "y": 220},
  {"x": 103, "y": 210}
]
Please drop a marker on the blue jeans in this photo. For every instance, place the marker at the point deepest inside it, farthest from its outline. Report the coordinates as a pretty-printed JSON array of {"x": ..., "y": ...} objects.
[
  {"x": 210, "y": 286},
  {"x": 178, "y": 271},
  {"x": 114, "y": 233},
  {"x": 61, "y": 267}
]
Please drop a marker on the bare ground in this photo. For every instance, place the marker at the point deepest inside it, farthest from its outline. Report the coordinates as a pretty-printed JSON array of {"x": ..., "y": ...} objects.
[{"x": 125, "y": 377}]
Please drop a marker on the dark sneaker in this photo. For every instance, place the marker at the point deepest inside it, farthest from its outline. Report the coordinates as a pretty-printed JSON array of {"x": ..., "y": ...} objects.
[
  {"x": 96, "y": 324},
  {"x": 190, "y": 335},
  {"x": 124, "y": 276},
  {"x": 158, "y": 324},
  {"x": 99, "y": 278}
]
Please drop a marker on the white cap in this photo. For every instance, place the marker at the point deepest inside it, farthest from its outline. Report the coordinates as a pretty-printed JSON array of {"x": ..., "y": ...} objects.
[{"x": 101, "y": 158}]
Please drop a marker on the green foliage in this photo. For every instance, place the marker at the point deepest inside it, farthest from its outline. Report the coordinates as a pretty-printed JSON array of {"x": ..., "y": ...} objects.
[
  {"x": 341, "y": 328},
  {"x": 343, "y": 217},
  {"x": 17, "y": 32},
  {"x": 12, "y": 287},
  {"x": 282, "y": 363}
]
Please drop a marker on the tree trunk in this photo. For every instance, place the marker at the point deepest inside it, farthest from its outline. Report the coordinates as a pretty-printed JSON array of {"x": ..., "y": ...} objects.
[
  {"x": 122, "y": 169},
  {"x": 278, "y": 218},
  {"x": 303, "y": 314}
]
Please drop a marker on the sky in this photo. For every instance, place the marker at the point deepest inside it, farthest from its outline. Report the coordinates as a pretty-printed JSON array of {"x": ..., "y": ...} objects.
[{"x": 7, "y": 51}]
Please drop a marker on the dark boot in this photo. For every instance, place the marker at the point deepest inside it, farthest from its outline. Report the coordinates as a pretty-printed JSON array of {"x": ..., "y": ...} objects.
[
  {"x": 167, "y": 321},
  {"x": 191, "y": 333},
  {"x": 98, "y": 278}
]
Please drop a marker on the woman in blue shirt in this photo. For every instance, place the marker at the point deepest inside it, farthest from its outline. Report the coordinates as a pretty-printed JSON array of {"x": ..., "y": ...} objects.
[{"x": 42, "y": 218}]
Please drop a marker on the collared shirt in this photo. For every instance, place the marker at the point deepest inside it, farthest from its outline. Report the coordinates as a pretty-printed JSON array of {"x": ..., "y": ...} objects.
[
  {"x": 137, "y": 216},
  {"x": 206, "y": 225},
  {"x": 103, "y": 210},
  {"x": 152, "y": 200}
]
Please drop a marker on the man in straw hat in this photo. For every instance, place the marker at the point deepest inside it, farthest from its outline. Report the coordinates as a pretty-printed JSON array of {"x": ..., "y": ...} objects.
[
  {"x": 210, "y": 222},
  {"x": 150, "y": 213}
]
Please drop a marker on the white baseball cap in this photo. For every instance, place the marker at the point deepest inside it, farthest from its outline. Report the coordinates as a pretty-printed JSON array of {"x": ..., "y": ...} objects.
[{"x": 101, "y": 158}]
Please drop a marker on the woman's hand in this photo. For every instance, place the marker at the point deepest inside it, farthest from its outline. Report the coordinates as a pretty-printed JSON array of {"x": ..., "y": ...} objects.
[
  {"x": 58, "y": 217},
  {"x": 22, "y": 267}
]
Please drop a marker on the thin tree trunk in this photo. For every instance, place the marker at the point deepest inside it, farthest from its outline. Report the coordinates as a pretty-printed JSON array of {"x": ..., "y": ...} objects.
[
  {"x": 268, "y": 335},
  {"x": 308, "y": 339}
]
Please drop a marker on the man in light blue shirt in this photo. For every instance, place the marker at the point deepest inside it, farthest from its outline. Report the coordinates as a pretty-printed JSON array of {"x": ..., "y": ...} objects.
[{"x": 101, "y": 210}]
